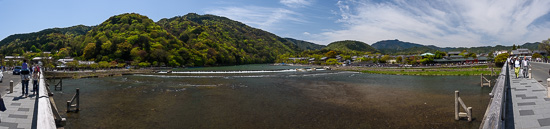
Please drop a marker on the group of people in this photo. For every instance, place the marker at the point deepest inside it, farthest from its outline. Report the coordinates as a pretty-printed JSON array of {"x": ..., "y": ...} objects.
[
  {"x": 28, "y": 73},
  {"x": 520, "y": 64}
]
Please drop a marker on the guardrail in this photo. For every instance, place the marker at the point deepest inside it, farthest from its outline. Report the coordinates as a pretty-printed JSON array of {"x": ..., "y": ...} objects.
[
  {"x": 46, "y": 116},
  {"x": 495, "y": 115}
]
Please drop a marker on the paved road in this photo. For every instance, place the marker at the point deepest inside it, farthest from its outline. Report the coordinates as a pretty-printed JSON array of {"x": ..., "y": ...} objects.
[
  {"x": 5, "y": 85},
  {"x": 540, "y": 72}
]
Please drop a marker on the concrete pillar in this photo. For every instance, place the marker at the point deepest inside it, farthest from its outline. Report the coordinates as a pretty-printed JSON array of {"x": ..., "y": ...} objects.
[
  {"x": 469, "y": 114},
  {"x": 481, "y": 80},
  {"x": 68, "y": 106},
  {"x": 456, "y": 105},
  {"x": 11, "y": 86},
  {"x": 548, "y": 88},
  {"x": 77, "y": 99}
]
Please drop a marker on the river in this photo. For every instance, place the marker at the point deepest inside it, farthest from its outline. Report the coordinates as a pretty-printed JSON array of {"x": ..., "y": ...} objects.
[{"x": 263, "y": 96}]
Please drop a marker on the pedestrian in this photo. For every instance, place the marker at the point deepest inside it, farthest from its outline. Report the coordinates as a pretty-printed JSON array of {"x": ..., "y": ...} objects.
[
  {"x": 516, "y": 67},
  {"x": 35, "y": 77},
  {"x": 25, "y": 79}
]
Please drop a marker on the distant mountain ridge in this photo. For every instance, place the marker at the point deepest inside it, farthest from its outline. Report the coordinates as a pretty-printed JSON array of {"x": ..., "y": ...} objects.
[
  {"x": 350, "y": 45},
  {"x": 401, "y": 47}
]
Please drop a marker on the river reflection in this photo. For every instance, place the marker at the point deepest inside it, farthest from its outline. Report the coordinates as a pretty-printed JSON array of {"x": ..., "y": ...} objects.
[{"x": 317, "y": 99}]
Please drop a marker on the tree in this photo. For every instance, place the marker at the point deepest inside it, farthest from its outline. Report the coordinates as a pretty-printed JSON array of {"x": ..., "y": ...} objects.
[
  {"x": 94, "y": 66},
  {"x": 89, "y": 51},
  {"x": 332, "y": 62},
  {"x": 34, "y": 49},
  {"x": 514, "y": 47},
  {"x": 331, "y": 54},
  {"x": 473, "y": 55},
  {"x": 427, "y": 59},
  {"x": 399, "y": 59},
  {"x": 537, "y": 55},
  {"x": 439, "y": 54},
  {"x": 384, "y": 58},
  {"x": 104, "y": 64},
  {"x": 545, "y": 45},
  {"x": 501, "y": 59}
]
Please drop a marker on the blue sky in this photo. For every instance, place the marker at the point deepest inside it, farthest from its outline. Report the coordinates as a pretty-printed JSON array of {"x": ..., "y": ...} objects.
[{"x": 452, "y": 23}]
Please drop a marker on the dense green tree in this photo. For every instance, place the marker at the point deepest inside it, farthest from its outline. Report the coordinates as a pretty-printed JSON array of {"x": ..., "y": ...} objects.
[
  {"x": 439, "y": 54},
  {"x": 501, "y": 59},
  {"x": 332, "y": 62},
  {"x": 331, "y": 54},
  {"x": 537, "y": 55},
  {"x": 545, "y": 45}
]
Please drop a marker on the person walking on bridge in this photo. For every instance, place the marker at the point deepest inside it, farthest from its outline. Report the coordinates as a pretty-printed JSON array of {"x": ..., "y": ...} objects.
[
  {"x": 25, "y": 78},
  {"x": 516, "y": 67}
]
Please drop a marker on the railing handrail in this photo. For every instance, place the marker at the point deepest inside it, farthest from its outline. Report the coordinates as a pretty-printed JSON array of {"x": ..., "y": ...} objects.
[
  {"x": 495, "y": 114},
  {"x": 45, "y": 115}
]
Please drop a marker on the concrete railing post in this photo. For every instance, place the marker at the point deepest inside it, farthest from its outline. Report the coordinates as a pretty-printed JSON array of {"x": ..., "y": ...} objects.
[
  {"x": 470, "y": 114},
  {"x": 68, "y": 106},
  {"x": 548, "y": 87},
  {"x": 77, "y": 99},
  {"x": 481, "y": 80},
  {"x": 11, "y": 86},
  {"x": 456, "y": 105}
]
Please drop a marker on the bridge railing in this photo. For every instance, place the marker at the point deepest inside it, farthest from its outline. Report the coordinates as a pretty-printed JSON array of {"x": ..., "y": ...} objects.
[
  {"x": 495, "y": 115},
  {"x": 45, "y": 114}
]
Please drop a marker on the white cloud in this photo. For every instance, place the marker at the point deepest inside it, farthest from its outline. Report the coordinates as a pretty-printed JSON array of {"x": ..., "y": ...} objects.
[
  {"x": 307, "y": 33},
  {"x": 442, "y": 23},
  {"x": 296, "y": 3},
  {"x": 260, "y": 17}
]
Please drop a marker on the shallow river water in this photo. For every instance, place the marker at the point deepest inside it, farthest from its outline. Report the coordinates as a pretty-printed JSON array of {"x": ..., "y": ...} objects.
[{"x": 263, "y": 96}]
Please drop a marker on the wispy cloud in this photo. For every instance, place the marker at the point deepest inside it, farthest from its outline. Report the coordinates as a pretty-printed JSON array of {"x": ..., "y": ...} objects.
[
  {"x": 266, "y": 18},
  {"x": 296, "y": 3},
  {"x": 442, "y": 23}
]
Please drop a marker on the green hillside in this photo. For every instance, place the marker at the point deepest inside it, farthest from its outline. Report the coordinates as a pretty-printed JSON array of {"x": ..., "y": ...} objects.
[
  {"x": 350, "y": 45},
  {"x": 45, "y": 40},
  {"x": 133, "y": 37},
  {"x": 190, "y": 40},
  {"x": 224, "y": 41},
  {"x": 394, "y": 46}
]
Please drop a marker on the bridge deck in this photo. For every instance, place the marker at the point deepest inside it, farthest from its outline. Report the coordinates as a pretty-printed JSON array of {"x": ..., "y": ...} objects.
[
  {"x": 530, "y": 104},
  {"x": 20, "y": 110}
]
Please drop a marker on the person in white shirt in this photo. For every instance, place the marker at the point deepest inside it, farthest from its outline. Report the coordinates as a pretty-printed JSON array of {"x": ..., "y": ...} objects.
[{"x": 516, "y": 67}]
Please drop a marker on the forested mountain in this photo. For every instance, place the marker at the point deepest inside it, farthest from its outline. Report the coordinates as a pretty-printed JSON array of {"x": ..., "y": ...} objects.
[
  {"x": 350, "y": 45},
  {"x": 393, "y": 46},
  {"x": 305, "y": 45},
  {"x": 45, "y": 40},
  {"x": 133, "y": 37},
  {"x": 190, "y": 40},
  {"x": 223, "y": 41}
]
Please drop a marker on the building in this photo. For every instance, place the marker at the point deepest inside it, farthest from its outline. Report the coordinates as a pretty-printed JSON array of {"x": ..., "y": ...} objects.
[
  {"x": 496, "y": 53},
  {"x": 455, "y": 55},
  {"x": 521, "y": 52}
]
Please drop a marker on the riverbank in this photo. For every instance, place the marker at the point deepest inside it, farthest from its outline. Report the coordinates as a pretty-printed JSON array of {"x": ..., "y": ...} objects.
[
  {"x": 95, "y": 73},
  {"x": 439, "y": 71}
]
